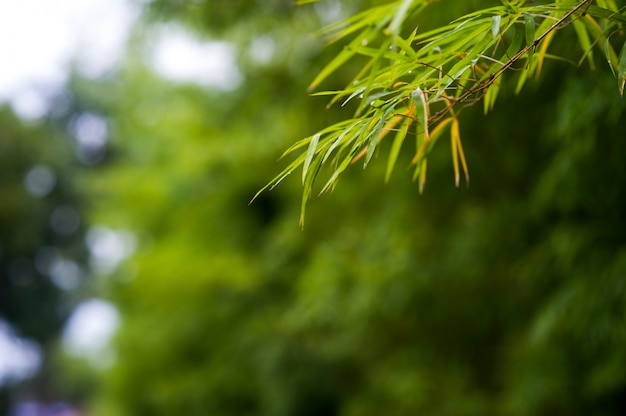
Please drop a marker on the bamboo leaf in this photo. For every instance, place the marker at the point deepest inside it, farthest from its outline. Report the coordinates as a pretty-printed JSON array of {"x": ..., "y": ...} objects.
[
  {"x": 356, "y": 93},
  {"x": 609, "y": 53},
  {"x": 405, "y": 46},
  {"x": 621, "y": 76},
  {"x": 515, "y": 43},
  {"x": 345, "y": 162},
  {"x": 529, "y": 26},
  {"x": 542, "y": 52},
  {"x": 308, "y": 186},
  {"x": 422, "y": 176},
  {"x": 371, "y": 80},
  {"x": 610, "y": 13},
  {"x": 464, "y": 64},
  {"x": 346, "y": 54},
  {"x": 434, "y": 136},
  {"x": 421, "y": 108},
  {"x": 457, "y": 151},
  {"x": 309, "y": 156},
  {"x": 341, "y": 139},
  {"x": 395, "y": 149},
  {"x": 491, "y": 94},
  {"x": 374, "y": 137},
  {"x": 585, "y": 42},
  {"x": 331, "y": 67},
  {"x": 600, "y": 34},
  {"x": 454, "y": 133}
]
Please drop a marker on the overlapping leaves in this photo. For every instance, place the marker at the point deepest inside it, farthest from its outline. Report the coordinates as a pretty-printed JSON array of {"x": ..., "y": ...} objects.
[{"x": 413, "y": 85}]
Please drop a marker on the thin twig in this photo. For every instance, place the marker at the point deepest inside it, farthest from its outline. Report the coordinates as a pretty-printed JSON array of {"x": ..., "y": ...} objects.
[{"x": 507, "y": 65}]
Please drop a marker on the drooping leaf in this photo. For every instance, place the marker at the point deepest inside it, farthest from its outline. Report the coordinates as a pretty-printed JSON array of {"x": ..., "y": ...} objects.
[
  {"x": 621, "y": 75},
  {"x": 529, "y": 27},
  {"x": 585, "y": 42},
  {"x": 375, "y": 136},
  {"x": 395, "y": 148},
  {"x": 491, "y": 94},
  {"x": 315, "y": 166},
  {"x": 309, "y": 156},
  {"x": 457, "y": 153},
  {"x": 421, "y": 108}
]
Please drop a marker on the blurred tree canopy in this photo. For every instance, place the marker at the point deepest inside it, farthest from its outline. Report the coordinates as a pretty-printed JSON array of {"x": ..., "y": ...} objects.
[
  {"x": 42, "y": 248},
  {"x": 504, "y": 297}
]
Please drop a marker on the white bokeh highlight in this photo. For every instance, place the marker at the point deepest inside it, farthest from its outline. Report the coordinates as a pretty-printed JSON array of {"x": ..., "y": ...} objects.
[
  {"x": 179, "y": 56},
  {"x": 89, "y": 330},
  {"x": 19, "y": 358},
  {"x": 40, "y": 39},
  {"x": 109, "y": 248}
]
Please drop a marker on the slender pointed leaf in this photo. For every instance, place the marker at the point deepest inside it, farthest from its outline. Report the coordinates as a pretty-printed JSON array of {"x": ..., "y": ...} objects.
[
  {"x": 529, "y": 27},
  {"x": 309, "y": 156},
  {"x": 395, "y": 149},
  {"x": 585, "y": 42},
  {"x": 375, "y": 136},
  {"x": 621, "y": 75}
]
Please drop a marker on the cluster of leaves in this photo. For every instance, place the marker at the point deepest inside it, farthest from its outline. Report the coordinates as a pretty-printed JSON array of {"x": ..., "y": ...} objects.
[{"x": 416, "y": 84}]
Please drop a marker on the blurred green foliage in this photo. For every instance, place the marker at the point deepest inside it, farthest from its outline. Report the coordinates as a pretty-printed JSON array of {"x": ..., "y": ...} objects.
[
  {"x": 42, "y": 248},
  {"x": 506, "y": 297}
]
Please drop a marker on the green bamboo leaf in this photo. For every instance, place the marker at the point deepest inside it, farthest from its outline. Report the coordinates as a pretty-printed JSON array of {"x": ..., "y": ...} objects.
[
  {"x": 308, "y": 186},
  {"x": 422, "y": 176},
  {"x": 585, "y": 42},
  {"x": 346, "y": 54},
  {"x": 373, "y": 141},
  {"x": 358, "y": 138},
  {"x": 426, "y": 147},
  {"x": 464, "y": 64},
  {"x": 405, "y": 46},
  {"x": 608, "y": 13},
  {"x": 420, "y": 144},
  {"x": 356, "y": 93},
  {"x": 371, "y": 79},
  {"x": 529, "y": 26},
  {"x": 599, "y": 33},
  {"x": 345, "y": 162},
  {"x": 352, "y": 86},
  {"x": 332, "y": 66},
  {"x": 516, "y": 42},
  {"x": 607, "y": 4},
  {"x": 609, "y": 53},
  {"x": 360, "y": 21},
  {"x": 309, "y": 156},
  {"x": 621, "y": 76},
  {"x": 490, "y": 96},
  {"x": 529, "y": 29},
  {"x": 421, "y": 109},
  {"x": 341, "y": 139},
  {"x": 395, "y": 149}
]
